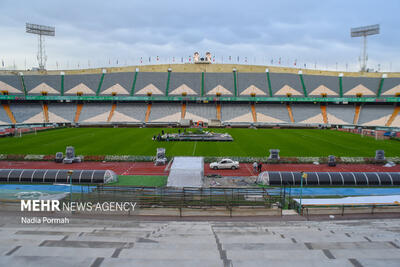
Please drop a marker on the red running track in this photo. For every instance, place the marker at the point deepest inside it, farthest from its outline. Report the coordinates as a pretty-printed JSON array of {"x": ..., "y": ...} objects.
[{"x": 148, "y": 168}]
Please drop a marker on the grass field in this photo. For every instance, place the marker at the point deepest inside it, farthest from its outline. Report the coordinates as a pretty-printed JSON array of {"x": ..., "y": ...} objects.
[
  {"x": 141, "y": 180},
  {"x": 247, "y": 142}
]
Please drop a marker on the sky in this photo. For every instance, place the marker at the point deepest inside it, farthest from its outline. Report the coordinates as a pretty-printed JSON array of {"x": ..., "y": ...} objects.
[{"x": 306, "y": 34}]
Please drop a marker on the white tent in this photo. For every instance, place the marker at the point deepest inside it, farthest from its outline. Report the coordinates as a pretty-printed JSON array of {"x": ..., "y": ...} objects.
[{"x": 186, "y": 172}]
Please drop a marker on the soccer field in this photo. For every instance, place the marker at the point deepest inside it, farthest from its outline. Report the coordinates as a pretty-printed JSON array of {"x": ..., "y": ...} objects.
[{"x": 247, "y": 142}]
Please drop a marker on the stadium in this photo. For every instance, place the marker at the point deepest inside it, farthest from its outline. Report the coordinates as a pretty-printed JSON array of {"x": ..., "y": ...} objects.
[
  {"x": 198, "y": 162},
  {"x": 284, "y": 104}
]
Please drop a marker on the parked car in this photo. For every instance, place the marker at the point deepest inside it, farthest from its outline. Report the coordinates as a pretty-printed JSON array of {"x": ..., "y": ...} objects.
[{"x": 225, "y": 164}]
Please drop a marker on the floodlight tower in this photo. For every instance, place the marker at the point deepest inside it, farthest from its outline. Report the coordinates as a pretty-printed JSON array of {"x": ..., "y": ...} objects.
[
  {"x": 365, "y": 31},
  {"x": 41, "y": 31}
]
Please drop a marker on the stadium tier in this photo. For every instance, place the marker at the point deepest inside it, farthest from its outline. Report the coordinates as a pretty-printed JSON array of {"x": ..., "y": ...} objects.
[
  {"x": 226, "y": 94},
  {"x": 273, "y": 114}
]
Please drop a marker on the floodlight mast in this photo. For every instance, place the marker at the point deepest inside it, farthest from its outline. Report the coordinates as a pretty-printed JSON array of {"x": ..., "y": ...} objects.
[
  {"x": 41, "y": 31},
  {"x": 364, "y": 32}
]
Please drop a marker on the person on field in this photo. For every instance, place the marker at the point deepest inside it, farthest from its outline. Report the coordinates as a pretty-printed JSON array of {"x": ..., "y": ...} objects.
[
  {"x": 259, "y": 166},
  {"x": 255, "y": 165}
]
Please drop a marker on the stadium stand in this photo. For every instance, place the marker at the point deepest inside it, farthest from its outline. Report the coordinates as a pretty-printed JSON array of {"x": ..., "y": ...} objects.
[
  {"x": 27, "y": 113},
  {"x": 357, "y": 85},
  {"x": 340, "y": 114},
  {"x": 391, "y": 87},
  {"x": 11, "y": 84},
  {"x": 252, "y": 83},
  {"x": 272, "y": 113},
  {"x": 4, "y": 119},
  {"x": 307, "y": 114},
  {"x": 375, "y": 115},
  {"x": 95, "y": 112},
  {"x": 87, "y": 84},
  {"x": 119, "y": 83},
  {"x": 135, "y": 111},
  {"x": 43, "y": 84},
  {"x": 181, "y": 83},
  {"x": 317, "y": 85},
  {"x": 236, "y": 113},
  {"x": 151, "y": 82},
  {"x": 221, "y": 83},
  {"x": 168, "y": 112},
  {"x": 285, "y": 83},
  {"x": 65, "y": 112},
  {"x": 201, "y": 112},
  {"x": 232, "y": 94}
]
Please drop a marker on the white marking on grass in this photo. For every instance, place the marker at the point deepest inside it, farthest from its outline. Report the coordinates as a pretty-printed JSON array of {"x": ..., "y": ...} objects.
[{"x": 194, "y": 148}]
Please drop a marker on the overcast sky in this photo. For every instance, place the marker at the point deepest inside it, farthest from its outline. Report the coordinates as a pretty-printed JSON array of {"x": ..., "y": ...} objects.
[{"x": 100, "y": 33}]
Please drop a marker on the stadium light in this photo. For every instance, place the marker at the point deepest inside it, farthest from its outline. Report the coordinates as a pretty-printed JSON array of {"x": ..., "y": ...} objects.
[
  {"x": 364, "y": 32},
  {"x": 41, "y": 31}
]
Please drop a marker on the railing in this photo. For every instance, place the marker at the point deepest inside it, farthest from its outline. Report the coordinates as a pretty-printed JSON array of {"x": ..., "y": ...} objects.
[
  {"x": 346, "y": 209},
  {"x": 203, "y": 98},
  {"x": 185, "y": 197}
]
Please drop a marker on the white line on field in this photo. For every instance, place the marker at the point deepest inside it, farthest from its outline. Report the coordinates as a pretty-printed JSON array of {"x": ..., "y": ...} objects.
[{"x": 194, "y": 148}]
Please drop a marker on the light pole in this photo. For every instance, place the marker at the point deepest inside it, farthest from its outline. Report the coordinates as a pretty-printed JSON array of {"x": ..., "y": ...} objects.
[{"x": 69, "y": 173}]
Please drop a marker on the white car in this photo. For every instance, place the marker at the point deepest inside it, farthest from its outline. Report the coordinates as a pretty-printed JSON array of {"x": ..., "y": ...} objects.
[{"x": 225, "y": 164}]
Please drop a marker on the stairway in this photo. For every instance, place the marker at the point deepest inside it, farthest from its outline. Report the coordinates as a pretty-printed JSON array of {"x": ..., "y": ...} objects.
[
  {"x": 45, "y": 112},
  {"x": 183, "y": 111},
  {"x": 290, "y": 112},
  {"x": 114, "y": 106},
  {"x": 9, "y": 113},
  {"x": 253, "y": 112},
  {"x": 78, "y": 112},
  {"x": 324, "y": 114},
  {"x": 393, "y": 116},
  {"x": 148, "y": 111},
  {"x": 219, "y": 112},
  {"x": 357, "y": 113}
]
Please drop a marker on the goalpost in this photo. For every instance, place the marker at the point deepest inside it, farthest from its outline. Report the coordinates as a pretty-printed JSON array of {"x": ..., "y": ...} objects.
[{"x": 17, "y": 132}]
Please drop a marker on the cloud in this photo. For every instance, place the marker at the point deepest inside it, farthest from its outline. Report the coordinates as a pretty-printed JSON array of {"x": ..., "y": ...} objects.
[{"x": 309, "y": 31}]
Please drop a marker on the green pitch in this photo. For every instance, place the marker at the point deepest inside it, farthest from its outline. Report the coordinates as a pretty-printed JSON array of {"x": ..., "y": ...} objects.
[
  {"x": 247, "y": 142},
  {"x": 141, "y": 180}
]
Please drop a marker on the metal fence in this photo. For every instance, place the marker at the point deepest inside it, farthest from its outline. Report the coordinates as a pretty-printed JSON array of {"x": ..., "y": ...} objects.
[{"x": 184, "y": 197}]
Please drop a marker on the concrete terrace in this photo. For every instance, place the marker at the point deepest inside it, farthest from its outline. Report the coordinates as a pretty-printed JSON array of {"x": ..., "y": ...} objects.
[{"x": 112, "y": 242}]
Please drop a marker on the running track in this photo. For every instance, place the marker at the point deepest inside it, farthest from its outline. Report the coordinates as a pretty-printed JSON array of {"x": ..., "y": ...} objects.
[{"x": 148, "y": 168}]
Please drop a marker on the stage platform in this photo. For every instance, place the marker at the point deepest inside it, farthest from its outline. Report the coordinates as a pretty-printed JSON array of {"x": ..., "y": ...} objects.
[{"x": 205, "y": 137}]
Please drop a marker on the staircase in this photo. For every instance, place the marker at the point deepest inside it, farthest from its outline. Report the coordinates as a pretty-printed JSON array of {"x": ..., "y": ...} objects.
[
  {"x": 114, "y": 106},
  {"x": 219, "y": 112},
  {"x": 357, "y": 113},
  {"x": 290, "y": 112},
  {"x": 9, "y": 113},
  {"x": 78, "y": 112},
  {"x": 183, "y": 111},
  {"x": 45, "y": 112},
  {"x": 324, "y": 114},
  {"x": 393, "y": 116},
  {"x": 253, "y": 112},
  {"x": 148, "y": 111}
]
